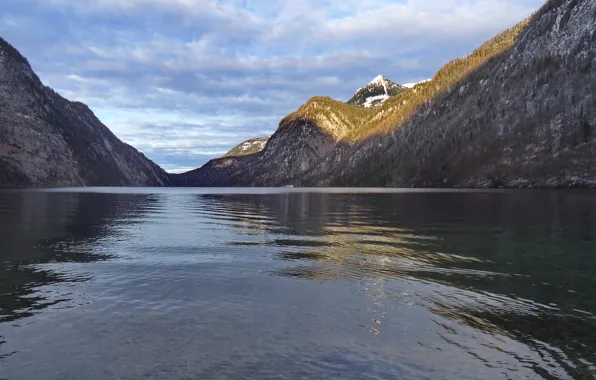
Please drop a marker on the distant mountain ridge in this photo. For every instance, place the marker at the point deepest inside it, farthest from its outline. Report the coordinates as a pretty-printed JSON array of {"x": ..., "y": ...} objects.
[
  {"x": 48, "y": 141},
  {"x": 375, "y": 93}
]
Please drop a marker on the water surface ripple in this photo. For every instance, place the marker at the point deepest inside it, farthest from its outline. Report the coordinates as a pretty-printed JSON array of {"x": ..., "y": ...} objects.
[{"x": 294, "y": 284}]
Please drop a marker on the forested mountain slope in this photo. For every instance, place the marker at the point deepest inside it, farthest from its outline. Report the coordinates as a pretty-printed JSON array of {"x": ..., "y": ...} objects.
[{"x": 524, "y": 117}]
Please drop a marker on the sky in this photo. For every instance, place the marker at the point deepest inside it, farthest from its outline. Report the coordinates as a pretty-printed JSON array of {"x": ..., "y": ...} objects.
[{"x": 184, "y": 81}]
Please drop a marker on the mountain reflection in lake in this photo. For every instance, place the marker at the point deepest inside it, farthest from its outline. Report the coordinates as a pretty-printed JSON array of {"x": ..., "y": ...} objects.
[{"x": 275, "y": 284}]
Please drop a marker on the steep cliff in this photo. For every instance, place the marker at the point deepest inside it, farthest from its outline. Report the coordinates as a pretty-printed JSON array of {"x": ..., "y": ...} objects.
[{"x": 48, "y": 141}]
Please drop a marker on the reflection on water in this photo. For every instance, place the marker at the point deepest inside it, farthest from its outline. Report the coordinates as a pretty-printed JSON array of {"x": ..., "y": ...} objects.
[
  {"x": 40, "y": 228},
  {"x": 187, "y": 284}
]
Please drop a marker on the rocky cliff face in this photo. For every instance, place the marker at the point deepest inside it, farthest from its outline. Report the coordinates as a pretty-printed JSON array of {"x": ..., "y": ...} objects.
[
  {"x": 520, "y": 111},
  {"x": 48, "y": 141},
  {"x": 247, "y": 147},
  {"x": 376, "y": 92}
]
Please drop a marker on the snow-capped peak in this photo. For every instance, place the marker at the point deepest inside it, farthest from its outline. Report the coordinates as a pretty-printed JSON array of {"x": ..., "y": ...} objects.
[
  {"x": 376, "y": 92},
  {"x": 379, "y": 79}
]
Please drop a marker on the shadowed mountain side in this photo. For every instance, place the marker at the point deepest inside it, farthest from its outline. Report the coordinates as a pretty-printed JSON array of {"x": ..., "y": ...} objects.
[{"x": 48, "y": 141}]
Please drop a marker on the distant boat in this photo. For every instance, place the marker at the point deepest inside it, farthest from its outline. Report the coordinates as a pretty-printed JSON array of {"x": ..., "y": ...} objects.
[{"x": 289, "y": 186}]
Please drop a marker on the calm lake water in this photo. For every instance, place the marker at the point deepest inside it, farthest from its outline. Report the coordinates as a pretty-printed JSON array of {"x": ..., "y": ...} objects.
[{"x": 284, "y": 284}]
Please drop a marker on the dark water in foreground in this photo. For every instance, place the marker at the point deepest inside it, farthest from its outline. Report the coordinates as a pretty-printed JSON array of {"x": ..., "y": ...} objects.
[{"x": 182, "y": 284}]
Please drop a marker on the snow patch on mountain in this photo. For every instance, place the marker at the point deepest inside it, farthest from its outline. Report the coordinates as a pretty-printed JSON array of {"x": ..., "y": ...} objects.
[
  {"x": 375, "y": 100},
  {"x": 410, "y": 85},
  {"x": 248, "y": 145}
]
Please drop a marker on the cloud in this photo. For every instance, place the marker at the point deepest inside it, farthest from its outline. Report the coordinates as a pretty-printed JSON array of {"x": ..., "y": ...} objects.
[{"x": 185, "y": 80}]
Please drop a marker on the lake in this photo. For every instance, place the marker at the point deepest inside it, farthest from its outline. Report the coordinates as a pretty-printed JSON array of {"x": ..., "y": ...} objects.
[{"x": 297, "y": 284}]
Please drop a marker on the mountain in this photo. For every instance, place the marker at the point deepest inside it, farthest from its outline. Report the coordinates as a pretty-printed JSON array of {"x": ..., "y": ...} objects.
[
  {"x": 375, "y": 93},
  {"x": 519, "y": 111},
  {"x": 48, "y": 141},
  {"x": 248, "y": 147},
  {"x": 301, "y": 141}
]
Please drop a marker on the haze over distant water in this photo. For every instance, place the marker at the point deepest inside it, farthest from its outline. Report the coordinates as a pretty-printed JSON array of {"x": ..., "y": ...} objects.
[{"x": 297, "y": 284}]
